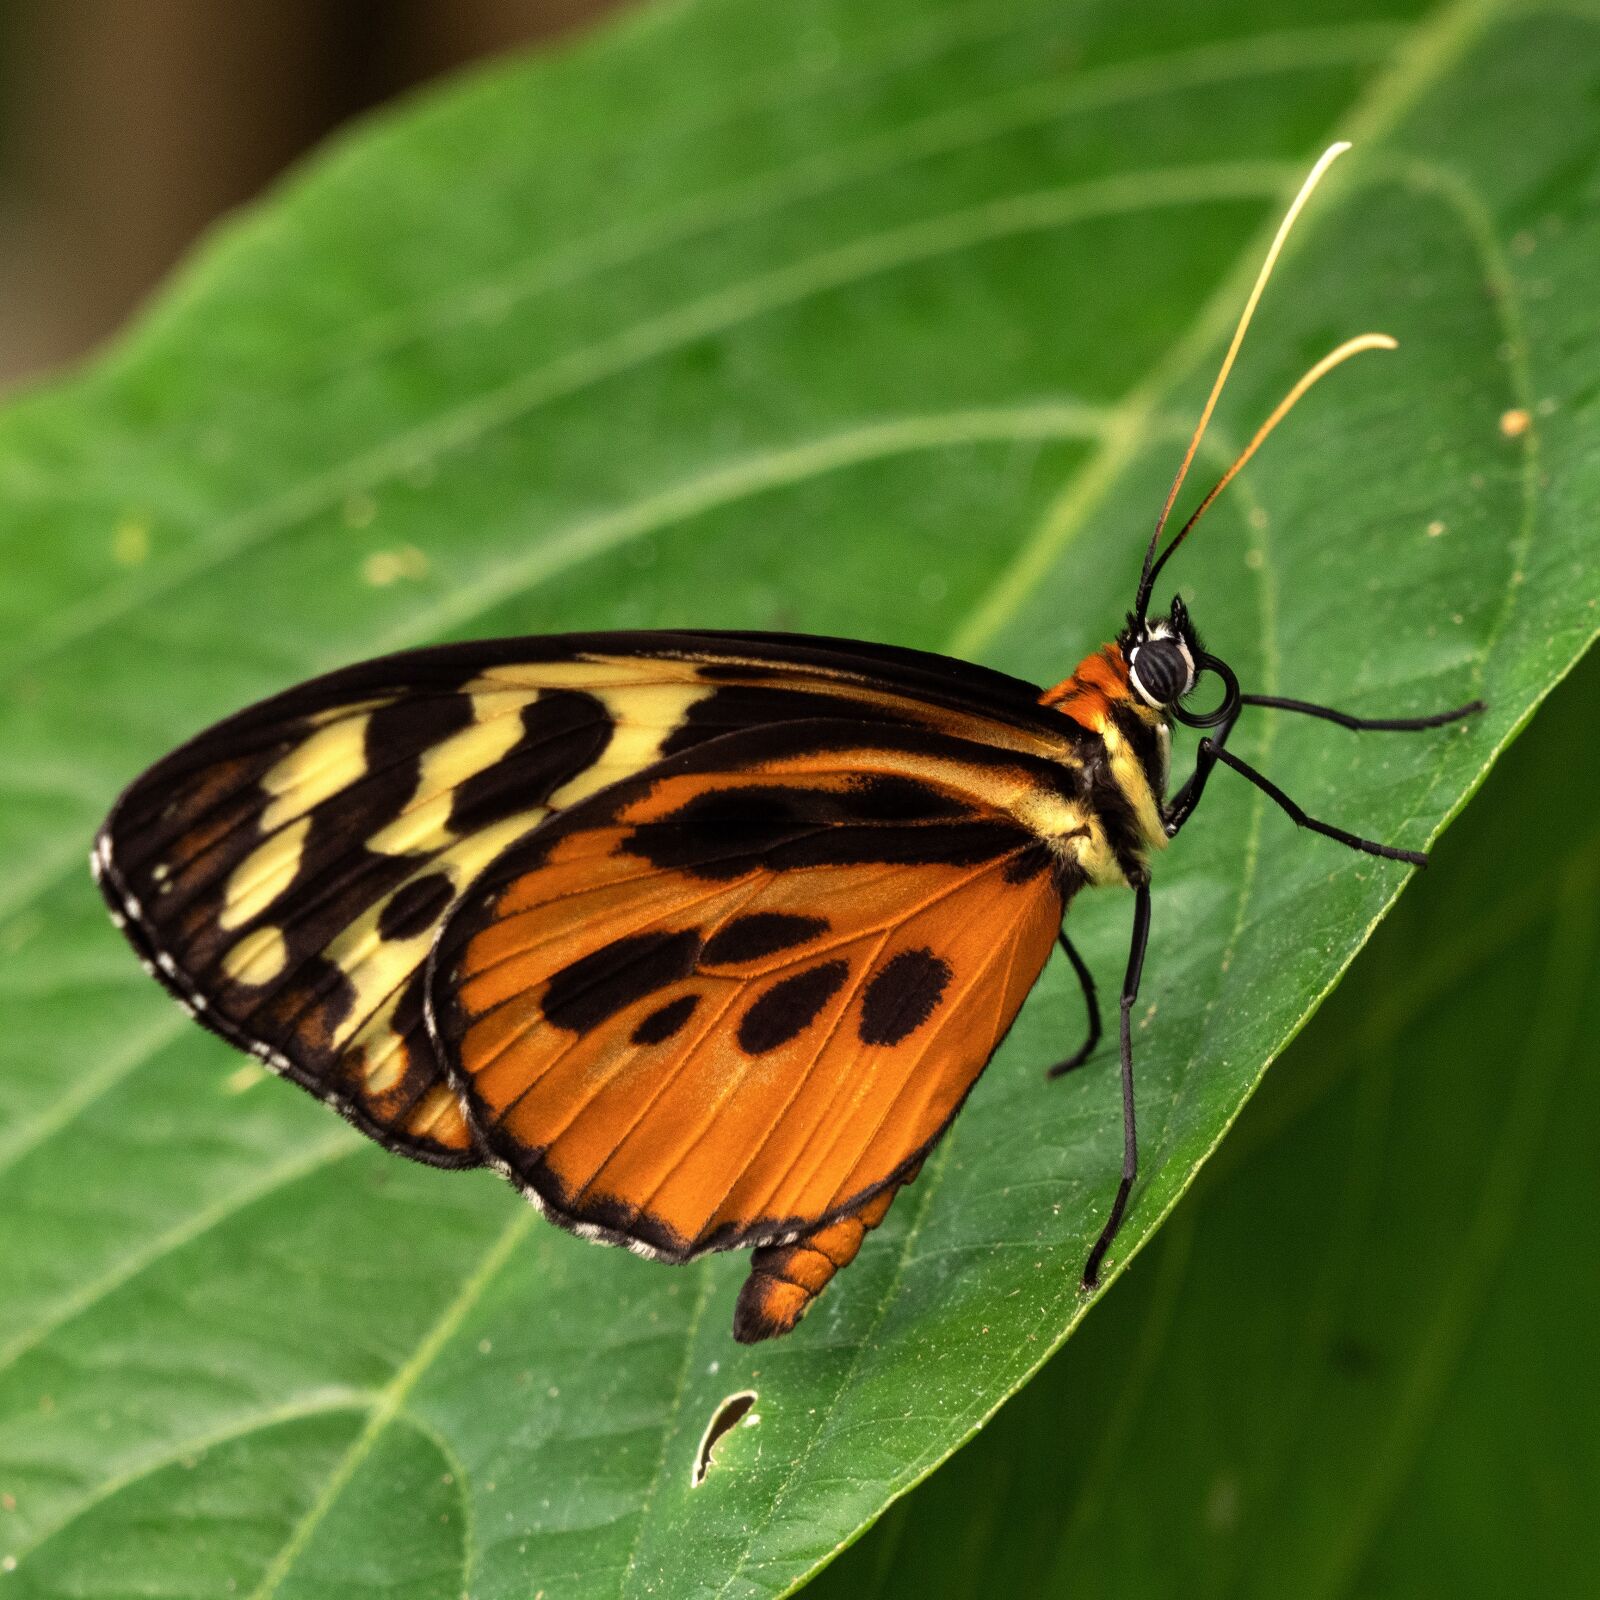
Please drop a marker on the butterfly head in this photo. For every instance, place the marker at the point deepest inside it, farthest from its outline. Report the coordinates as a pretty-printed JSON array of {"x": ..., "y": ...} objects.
[{"x": 1165, "y": 661}]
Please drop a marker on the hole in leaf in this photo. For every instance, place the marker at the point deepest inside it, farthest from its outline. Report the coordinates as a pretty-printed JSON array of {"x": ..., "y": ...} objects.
[{"x": 723, "y": 1421}]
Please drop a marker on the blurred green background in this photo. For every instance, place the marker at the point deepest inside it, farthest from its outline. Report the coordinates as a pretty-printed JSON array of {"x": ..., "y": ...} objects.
[{"x": 885, "y": 321}]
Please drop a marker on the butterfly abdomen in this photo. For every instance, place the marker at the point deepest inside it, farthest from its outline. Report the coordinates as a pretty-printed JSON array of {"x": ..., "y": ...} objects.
[{"x": 785, "y": 1278}]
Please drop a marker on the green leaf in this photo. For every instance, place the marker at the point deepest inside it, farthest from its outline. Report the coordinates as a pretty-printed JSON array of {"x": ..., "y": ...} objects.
[
  {"x": 1362, "y": 1352},
  {"x": 880, "y": 320}
]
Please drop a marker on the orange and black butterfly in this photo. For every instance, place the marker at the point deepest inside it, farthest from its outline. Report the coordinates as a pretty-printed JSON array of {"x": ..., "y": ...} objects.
[{"x": 701, "y": 939}]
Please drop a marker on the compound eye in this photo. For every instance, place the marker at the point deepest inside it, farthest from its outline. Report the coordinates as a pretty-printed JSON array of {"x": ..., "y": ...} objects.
[{"x": 1160, "y": 671}]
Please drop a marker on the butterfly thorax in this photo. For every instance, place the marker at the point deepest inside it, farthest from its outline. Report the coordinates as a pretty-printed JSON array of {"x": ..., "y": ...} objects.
[{"x": 1125, "y": 765}]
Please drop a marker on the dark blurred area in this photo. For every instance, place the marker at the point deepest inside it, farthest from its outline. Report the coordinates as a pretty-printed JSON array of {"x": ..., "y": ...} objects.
[{"x": 127, "y": 126}]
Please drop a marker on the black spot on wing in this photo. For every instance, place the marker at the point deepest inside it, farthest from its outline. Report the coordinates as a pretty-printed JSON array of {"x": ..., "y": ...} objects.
[
  {"x": 411, "y": 724},
  {"x": 889, "y": 797},
  {"x": 599, "y": 985},
  {"x": 789, "y": 1007},
  {"x": 762, "y": 933},
  {"x": 338, "y": 878},
  {"x": 322, "y": 900},
  {"x": 728, "y": 832},
  {"x": 563, "y": 734},
  {"x": 660, "y": 1025},
  {"x": 736, "y": 707},
  {"x": 415, "y": 908},
  {"x": 902, "y": 996},
  {"x": 337, "y": 882}
]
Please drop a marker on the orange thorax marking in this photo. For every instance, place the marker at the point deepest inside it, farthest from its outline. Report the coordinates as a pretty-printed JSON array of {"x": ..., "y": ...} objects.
[
  {"x": 1099, "y": 681},
  {"x": 1098, "y": 687}
]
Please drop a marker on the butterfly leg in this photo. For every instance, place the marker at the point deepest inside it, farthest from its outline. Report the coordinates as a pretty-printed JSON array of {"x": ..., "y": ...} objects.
[
  {"x": 785, "y": 1278},
  {"x": 1211, "y": 751},
  {"x": 1181, "y": 806},
  {"x": 1092, "y": 1000},
  {"x": 1130, "y": 1137},
  {"x": 1371, "y": 847}
]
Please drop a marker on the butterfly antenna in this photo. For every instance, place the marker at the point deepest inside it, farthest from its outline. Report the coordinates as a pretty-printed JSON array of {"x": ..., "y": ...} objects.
[
  {"x": 1147, "y": 575},
  {"x": 1334, "y": 358}
]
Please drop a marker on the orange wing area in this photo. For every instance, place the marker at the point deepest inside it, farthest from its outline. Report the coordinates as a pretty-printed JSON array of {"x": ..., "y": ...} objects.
[{"x": 728, "y": 1003}]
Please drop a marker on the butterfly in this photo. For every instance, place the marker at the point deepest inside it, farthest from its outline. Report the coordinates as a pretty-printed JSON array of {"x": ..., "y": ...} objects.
[{"x": 701, "y": 939}]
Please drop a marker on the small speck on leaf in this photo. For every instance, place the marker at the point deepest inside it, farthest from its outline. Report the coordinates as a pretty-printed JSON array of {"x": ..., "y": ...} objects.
[
  {"x": 130, "y": 544},
  {"x": 384, "y": 567},
  {"x": 1222, "y": 1504}
]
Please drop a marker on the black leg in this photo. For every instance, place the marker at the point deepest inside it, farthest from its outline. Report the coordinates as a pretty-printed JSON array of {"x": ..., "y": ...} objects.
[
  {"x": 1181, "y": 806},
  {"x": 1130, "y": 1137},
  {"x": 1090, "y": 999},
  {"x": 1345, "y": 720},
  {"x": 1300, "y": 819}
]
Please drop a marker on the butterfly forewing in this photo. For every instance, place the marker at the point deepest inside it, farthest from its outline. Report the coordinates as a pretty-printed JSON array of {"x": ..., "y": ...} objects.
[
  {"x": 286, "y": 873},
  {"x": 741, "y": 994}
]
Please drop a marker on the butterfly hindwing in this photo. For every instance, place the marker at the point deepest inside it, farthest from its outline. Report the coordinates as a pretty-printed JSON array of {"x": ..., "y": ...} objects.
[
  {"x": 735, "y": 997},
  {"x": 286, "y": 873}
]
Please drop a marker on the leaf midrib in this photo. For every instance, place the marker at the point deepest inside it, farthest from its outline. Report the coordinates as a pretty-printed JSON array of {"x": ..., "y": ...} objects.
[{"x": 392, "y": 1397}]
